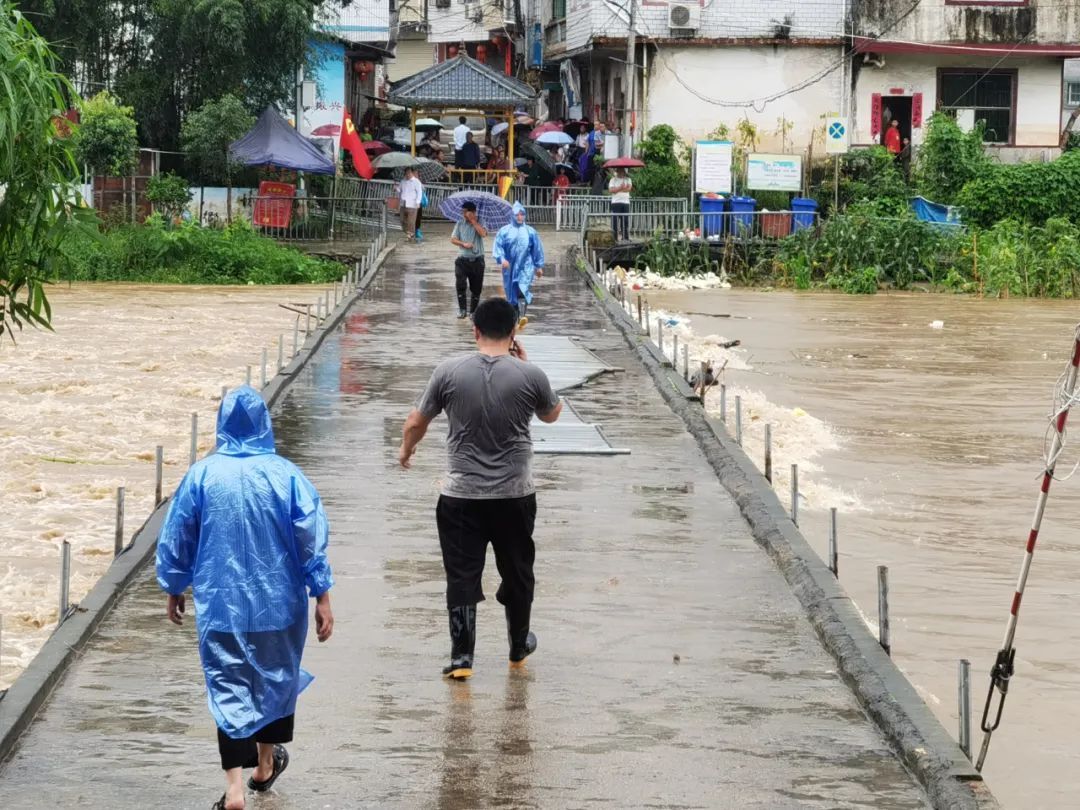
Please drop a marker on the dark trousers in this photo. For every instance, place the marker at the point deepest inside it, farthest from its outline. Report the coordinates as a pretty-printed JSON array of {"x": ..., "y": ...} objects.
[
  {"x": 620, "y": 219},
  {"x": 419, "y": 217},
  {"x": 469, "y": 274},
  {"x": 245, "y": 753},
  {"x": 466, "y": 527}
]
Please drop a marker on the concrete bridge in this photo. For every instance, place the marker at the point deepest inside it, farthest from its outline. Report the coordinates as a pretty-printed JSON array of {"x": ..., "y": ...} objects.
[{"x": 676, "y": 666}]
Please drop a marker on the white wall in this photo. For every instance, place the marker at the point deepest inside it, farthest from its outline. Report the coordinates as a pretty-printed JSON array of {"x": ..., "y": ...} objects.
[
  {"x": 361, "y": 21},
  {"x": 737, "y": 74},
  {"x": 1054, "y": 21},
  {"x": 411, "y": 56},
  {"x": 450, "y": 24},
  {"x": 1038, "y": 92}
]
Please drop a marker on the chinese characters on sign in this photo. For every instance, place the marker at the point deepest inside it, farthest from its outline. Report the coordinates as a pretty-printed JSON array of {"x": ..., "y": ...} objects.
[{"x": 712, "y": 167}]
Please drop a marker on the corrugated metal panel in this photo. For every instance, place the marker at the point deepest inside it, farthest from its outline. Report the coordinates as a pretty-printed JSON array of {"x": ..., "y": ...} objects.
[
  {"x": 412, "y": 56},
  {"x": 461, "y": 82},
  {"x": 571, "y": 436},
  {"x": 566, "y": 363}
]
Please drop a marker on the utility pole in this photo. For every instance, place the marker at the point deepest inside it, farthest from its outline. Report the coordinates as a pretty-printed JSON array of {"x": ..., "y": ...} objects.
[{"x": 630, "y": 84}]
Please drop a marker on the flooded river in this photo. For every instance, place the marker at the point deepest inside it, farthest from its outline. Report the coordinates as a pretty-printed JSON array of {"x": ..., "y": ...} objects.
[
  {"x": 81, "y": 411},
  {"x": 930, "y": 442}
]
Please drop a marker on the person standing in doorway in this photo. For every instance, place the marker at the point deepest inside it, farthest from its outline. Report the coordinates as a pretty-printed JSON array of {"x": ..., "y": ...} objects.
[
  {"x": 468, "y": 235},
  {"x": 247, "y": 532},
  {"x": 411, "y": 195},
  {"x": 893, "y": 141},
  {"x": 460, "y": 133},
  {"x": 619, "y": 187},
  {"x": 489, "y": 398},
  {"x": 520, "y": 254}
]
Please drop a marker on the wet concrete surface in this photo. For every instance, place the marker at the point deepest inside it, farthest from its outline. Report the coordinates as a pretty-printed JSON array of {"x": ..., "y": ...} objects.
[{"x": 675, "y": 668}]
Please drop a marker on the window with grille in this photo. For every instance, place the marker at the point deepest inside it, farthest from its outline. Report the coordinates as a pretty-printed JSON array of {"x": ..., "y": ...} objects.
[
  {"x": 1072, "y": 94},
  {"x": 990, "y": 93},
  {"x": 558, "y": 9}
]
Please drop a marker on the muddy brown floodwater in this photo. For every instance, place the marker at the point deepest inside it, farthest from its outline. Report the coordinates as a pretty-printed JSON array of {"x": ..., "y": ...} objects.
[
  {"x": 81, "y": 411},
  {"x": 930, "y": 442}
]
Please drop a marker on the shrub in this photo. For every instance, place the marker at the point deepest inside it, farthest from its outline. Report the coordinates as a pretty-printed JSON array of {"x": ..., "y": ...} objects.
[
  {"x": 105, "y": 139},
  {"x": 948, "y": 159},
  {"x": 1016, "y": 258},
  {"x": 169, "y": 194},
  {"x": 676, "y": 257},
  {"x": 1027, "y": 192}
]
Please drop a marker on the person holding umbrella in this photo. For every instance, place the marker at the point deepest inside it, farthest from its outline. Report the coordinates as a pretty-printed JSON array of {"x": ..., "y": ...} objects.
[
  {"x": 619, "y": 187},
  {"x": 520, "y": 253},
  {"x": 468, "y": 236}
]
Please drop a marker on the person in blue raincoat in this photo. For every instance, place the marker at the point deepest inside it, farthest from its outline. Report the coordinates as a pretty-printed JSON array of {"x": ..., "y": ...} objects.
[
  {"x": 520, "y": 253},
  {"x": 247, "y": 531}
]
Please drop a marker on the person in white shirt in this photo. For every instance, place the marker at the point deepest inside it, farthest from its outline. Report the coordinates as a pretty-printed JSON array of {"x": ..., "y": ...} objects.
[
  {"x": 461, "y": 132},
  {"x": 619, "y": 187},
  {"x": 411, "y": 193}
]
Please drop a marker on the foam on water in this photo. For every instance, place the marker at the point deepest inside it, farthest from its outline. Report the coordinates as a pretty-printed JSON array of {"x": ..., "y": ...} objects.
[{"x": 82, "y": 411}]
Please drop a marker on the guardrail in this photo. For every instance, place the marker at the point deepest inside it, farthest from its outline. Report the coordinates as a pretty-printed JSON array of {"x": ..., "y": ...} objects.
[
  {"x": 648, "y": 213},
  {"x": 764, "y": 226},
  {"x": 316, "y": 219}
]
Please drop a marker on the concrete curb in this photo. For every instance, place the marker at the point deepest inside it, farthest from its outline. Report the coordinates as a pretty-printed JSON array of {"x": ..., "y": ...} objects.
[
  {"x": 32, "y": 688},
  {"x": 922, "y": 743}
]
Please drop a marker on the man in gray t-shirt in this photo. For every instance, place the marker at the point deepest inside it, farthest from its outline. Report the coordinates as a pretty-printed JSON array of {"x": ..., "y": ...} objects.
[
  {"x": 489, "y": 398},
  {"x": 468, "y": 236}
]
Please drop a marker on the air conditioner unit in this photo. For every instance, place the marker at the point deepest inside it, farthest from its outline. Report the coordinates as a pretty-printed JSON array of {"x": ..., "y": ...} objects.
[
  {"x": 684, "y": 17},
  {"x": 473, "y": 11}
]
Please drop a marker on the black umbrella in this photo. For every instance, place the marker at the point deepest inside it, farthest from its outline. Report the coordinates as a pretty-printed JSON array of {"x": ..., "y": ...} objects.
[{"x": 540, "y": 155}]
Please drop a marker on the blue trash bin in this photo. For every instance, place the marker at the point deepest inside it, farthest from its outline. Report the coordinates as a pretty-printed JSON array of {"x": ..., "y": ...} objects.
[
  {"x": 804, "y": 209},
  {"x": 712, "y": 219},
  {"x": 741, "y": 219}
]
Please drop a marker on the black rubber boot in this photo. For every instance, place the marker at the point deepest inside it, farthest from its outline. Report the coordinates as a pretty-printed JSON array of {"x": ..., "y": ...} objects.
[
  {"x": 462, "y": 642},
  {"x": 522, "y": 642}
]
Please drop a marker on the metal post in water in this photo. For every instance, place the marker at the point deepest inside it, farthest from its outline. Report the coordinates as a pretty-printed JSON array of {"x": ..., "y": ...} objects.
[
  {"x": 723, "y": 403},
  {"x": 296, "y": 336},
  {"x": 768, "y": 453},
  {"x": 118, "y": 535},
  {"x": 738, "y": 420},
  {"x": 660, "y": 336},
  {"x": 639, "y": 315},
  {"x": 307, "y": 325},
  {"x": 883, "y": 608},
  {"x": 263, "y": 375},
  {"x": 964, "y": 703},
  {"x": 224, "y": 391},
  {"x": 834, "y": 549},
  {"x": 194, "y": 438},
  {"x": 648, "y": 328},
  {"x": 675, "y": 350},
  {"x": 159, "y": 468},
  {"x": 65, "y": 580},
  {"x": 686, "y": 361},
  {"x": 795, "y": 494},
  {"x": 247, "y": 375},
  {"x": 280, "y": 351}
]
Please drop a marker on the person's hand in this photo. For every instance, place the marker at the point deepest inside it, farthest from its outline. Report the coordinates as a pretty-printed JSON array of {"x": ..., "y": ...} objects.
[
  {"x": 539, "y": 272},
  {"x": 505, "y": 264},
  {"x": 324, "y": 618},
  {"x": 467, "y": 245},
  {"x": 175, "y": 608},
  {"x": 405, "y": 456},
  {"x": 518, "y": 351}
]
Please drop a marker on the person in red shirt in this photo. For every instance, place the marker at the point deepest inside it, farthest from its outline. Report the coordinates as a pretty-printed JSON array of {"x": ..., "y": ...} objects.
[
  {"x": 893, "y": 141},
  {"x": 561, "y": 183}
]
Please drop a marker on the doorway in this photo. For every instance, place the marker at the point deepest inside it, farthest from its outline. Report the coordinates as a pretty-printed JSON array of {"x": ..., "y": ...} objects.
[{"x": 896, "y": 108}]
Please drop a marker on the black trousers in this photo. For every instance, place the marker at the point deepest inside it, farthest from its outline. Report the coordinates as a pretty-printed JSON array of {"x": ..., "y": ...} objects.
[
  {"x": 469, "y": 274},
  {"x": 245, "y": 753},
  {"x": 466, "y": 527},
  {"x": 620, "y": 220},
  {"x": 419, "y": 218}
]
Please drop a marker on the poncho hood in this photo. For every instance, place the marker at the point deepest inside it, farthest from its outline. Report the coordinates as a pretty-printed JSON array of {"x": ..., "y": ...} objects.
[
  {"x": 243, "y": 427},
  {"x": 518, "y": 208}
]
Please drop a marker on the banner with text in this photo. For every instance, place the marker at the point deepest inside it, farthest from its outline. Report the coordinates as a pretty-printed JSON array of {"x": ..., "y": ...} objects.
[
  {"x": 774, "y": 172},
  {"x": 712, "y": 167}
]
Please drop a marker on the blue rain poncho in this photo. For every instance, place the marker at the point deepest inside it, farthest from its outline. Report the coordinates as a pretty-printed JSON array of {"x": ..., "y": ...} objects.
[
  {"x": 247, "y": 531},
  {"x": 520, "y": 245}
]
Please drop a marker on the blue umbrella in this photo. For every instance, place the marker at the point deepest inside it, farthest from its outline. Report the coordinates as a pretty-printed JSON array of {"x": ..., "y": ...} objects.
[
  {"x": 492, "y": 211},
  {"x": 555, "y": 139}
]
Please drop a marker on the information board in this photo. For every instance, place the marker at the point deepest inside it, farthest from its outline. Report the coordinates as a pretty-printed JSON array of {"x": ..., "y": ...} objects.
[
  {"x": 712, "y": 167},
  {"x": 774, "y": 172}
]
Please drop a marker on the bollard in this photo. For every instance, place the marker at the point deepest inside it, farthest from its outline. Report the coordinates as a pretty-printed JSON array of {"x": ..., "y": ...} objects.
[
  {"x": 768, "y": 453},
  {"x": 327, "y": 306},
  {"x": 795, "y": 494},
  {"x": 335, "y": 295},
  {"x": 280, "y": 351},
  {"x": 639, "y": 310},
  {"x": 159, "y": 467},
  {"x": 883, "y": 608},
  {"x": 648, "y": 328},
  {"x": 738, "y": 420},
  {"x": 964, "y": 698},
  {"x": 723, "y": 404},
  {"x": 686, "y": 361},
  {"x": 834, "y": 553},
  {"x": 118, "y": 535},
  {"x": 194, "y": 438},
  {"x": 307, "y": 325},
  {"x": 660, "y": 337},
  {"x": 65, "y": 580},
  {"x": 247, "y": 375},
  {"x": 675, "y": 350},
  {"x": 296, "y": 336},
  {"x": 263, "y": 373}
]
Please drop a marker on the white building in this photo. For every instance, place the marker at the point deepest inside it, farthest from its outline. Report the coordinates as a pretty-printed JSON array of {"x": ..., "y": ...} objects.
[
  {"x": 777, "y": 63},
  {"x": 1070, "y": 101},
  {"x": 996, "y": 61}
]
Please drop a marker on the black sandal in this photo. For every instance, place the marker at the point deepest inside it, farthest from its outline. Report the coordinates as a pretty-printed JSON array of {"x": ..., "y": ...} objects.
[
  {"x": 281, "y": 762},
  {"x": 219, "y": 804}
]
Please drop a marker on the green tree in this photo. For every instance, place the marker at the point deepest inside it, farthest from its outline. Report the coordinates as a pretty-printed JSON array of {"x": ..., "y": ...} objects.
[
  {"x": 169, "y": 194},
  {"x": 39, "y": 205},
  {"x": 206, "y": 136},
  {"x": 949, "y": 158},
  {"x": 664, "y": 174},
  {"x": 106, "y": 139},
  {"x": 169, "y": 57}
]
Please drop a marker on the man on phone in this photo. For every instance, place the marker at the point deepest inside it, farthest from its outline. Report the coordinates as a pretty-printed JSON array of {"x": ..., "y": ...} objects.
[
  {"x": 468, "y": 235},
  {"x": 489, "y": 398}
]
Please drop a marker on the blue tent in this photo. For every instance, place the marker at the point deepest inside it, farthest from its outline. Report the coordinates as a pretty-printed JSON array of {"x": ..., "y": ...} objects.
[{"x": 273, "y": 141}]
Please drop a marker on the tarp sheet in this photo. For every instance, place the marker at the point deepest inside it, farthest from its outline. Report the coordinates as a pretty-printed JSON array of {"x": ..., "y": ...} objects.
[
  {"x": 936, "y": 213},
  {"x": 273, "y": 141}
]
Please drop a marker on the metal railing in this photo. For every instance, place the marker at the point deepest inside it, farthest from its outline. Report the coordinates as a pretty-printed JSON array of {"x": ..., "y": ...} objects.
[
  {"x": 314, "y": 219},
  {"x": 718, "y": 227},
  {"x": 648, "y": 213}
]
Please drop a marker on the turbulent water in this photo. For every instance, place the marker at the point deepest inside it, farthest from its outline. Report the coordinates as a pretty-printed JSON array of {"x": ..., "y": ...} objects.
[
  {"x": 81, "y": 411},
  {"x": 929, "y": 439}
]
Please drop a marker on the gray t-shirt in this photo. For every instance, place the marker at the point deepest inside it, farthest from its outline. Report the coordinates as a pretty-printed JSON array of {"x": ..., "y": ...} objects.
[
  {"x": 489, "y": 403},
  {"x": 464, "y": 232}
]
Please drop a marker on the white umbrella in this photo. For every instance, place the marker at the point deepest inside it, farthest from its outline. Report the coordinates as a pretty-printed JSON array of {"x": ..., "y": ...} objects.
[
  {"x": 499, "y": 129},
  {"x": 429, "y": 123}
]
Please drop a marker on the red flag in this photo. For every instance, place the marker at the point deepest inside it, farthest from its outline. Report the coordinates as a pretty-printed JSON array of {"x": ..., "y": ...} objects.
[{"x": 350, "y": 139}]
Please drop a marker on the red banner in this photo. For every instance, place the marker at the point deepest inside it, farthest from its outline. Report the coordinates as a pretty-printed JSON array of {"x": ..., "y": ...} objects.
[
  {"x": 916, "y": 111},
  {"x": 350, "y": 140},
  {"x": 875, "y": 115},
  {"x": 273, "y": 207}
]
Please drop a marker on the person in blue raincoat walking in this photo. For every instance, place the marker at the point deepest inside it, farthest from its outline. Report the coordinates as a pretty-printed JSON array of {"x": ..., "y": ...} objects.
[
  {"x": 520, "y": 253},
  {"x": 248, "y": 532}
]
